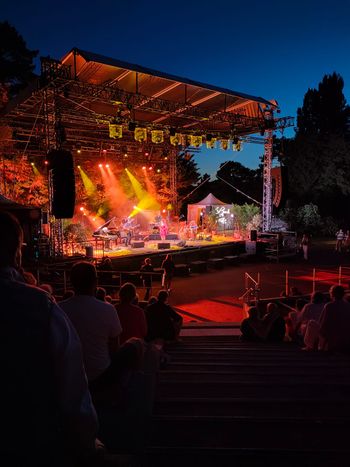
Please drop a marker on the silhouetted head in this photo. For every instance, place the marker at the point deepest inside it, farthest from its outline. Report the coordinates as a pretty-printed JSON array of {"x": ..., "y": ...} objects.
[
  {"x": 83, "y": 278},
  {"x": 253, "y": 312},
  {"x": 163, "y": 296},
  {"x": 337, "y": 292},
  {"x": 101, "y": 294},
  {"x": 271, "y": 308},
  {"x": 127, "y": 293},
  {"x": 317, "y": 297},
  {"x": 11, "y": 238}
]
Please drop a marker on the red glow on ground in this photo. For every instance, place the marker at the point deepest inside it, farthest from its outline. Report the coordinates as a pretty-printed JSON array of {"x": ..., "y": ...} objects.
[{"x": 218, "y": 309}]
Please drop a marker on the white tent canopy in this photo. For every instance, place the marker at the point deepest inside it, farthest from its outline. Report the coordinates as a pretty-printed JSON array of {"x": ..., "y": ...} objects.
[{"x": 196, "y": 212}]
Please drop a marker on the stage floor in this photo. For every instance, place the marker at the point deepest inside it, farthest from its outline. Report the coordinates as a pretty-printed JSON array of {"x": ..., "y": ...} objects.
[{"x": 151, "y": 246}]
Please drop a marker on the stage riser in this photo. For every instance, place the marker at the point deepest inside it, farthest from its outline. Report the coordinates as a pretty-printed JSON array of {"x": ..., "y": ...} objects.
[{"x": 184, "y": 256}]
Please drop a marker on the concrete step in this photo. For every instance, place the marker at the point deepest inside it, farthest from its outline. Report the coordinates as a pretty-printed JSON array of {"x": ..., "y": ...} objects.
[{"x": 257, "y": 407}]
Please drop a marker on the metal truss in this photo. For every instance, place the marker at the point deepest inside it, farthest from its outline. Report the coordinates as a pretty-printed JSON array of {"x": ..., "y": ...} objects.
[
  {"x": 267, "y": 176},
  {"x": 173, "y": 180}
]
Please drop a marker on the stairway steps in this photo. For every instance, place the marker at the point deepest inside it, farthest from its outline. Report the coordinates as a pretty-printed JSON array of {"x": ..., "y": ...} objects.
[
  {"x": 281, "y": 408},
  {"x": 165, "y": 455}
]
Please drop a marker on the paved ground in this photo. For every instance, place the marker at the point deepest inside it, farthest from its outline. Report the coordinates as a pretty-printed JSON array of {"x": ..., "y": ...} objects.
[{"x": 213, "y": 296}]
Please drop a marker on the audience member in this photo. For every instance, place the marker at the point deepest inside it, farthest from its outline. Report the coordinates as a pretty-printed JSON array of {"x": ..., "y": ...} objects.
[
  {"x": 131, "y": 316},
  {"x": 310, "y": 311},
  {"x": 101, "y": 294},
  {"x": 275, "y": 324},
  {"x": 252, "y": 328},
  {"x": 152, "y": 300},
  {"x": 47, "y": 413},
  {"x": 67, "y": 294},
  {"x": 339, "y": 240},
  {"x": 96, "y": 322},
  {"x": 335, "y": 322},
  {"x": 163, "y": 322},
  {"x": 146, "y": 276},
  {"x": 168, "y": 267},
  {"x": 305, "y": 244}
]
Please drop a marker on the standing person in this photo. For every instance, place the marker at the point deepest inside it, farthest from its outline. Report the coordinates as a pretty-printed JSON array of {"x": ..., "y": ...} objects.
[
  {"x": 168, "y": 267},
  {"x": 147, "y": 278},
  {"x": 347, "y": 241},
  {"x": 305, "y": 244},
  {"x": 340, "y": 238},
  {"x": 47, "y": 413}
]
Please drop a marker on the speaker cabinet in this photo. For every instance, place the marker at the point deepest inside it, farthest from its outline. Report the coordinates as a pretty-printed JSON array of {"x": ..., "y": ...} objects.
[
  {"x": 137, "y": 244},
  {"x": 163, "y": 246},
  {"x": 61, "y": 169}
]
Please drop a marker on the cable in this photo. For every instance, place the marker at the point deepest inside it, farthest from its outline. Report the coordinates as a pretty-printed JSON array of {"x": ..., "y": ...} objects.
[{"x": 239, "y": 191}]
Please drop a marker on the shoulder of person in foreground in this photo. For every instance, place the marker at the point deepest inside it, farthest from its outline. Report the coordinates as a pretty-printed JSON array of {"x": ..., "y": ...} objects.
[{"x": 78, "y": 414}]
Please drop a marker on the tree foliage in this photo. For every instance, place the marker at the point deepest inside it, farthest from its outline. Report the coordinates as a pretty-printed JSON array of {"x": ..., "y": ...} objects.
[
  {"x": 16, "y": 60},
  {"x": 317, "y": 158}
]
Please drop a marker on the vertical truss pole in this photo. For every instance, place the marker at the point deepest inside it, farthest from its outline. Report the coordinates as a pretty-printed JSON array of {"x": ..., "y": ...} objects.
[
  {"x": 52, "y": 142},
  {"x": 267, "y": 177},
  {"x": 173, "y": 181}
]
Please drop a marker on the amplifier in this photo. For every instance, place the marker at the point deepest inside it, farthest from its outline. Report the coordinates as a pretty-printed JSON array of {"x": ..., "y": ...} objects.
[
  {"x": 137, "y": 244},
  {"x": 163, "y": 246}
]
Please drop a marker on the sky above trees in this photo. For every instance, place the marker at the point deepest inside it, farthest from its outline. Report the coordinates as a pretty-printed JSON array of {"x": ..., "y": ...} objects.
[{"x": 271, "y": 49}]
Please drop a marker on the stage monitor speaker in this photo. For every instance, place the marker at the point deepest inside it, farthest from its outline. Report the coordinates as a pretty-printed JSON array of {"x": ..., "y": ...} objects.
[
  {"x": 137, "y": 244},
  {"x": 62, "y": 177},
  {"x": 154, "y": 237},
  {"x": 163, "y": 246},
  {"x": 172, "y": 236},
  {"x": 253, "y": 235}
]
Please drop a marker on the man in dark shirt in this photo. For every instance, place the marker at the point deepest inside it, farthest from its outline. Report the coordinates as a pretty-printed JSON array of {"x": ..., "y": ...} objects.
[{"x": 162, "y": 321}]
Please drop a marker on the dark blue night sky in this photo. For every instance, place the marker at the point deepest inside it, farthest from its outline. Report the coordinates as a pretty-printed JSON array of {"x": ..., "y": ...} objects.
[{"x": 273, "y": 49}]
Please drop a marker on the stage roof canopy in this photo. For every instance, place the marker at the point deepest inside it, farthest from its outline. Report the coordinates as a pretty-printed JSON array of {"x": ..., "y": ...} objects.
[{"x": 88, "y": 91}]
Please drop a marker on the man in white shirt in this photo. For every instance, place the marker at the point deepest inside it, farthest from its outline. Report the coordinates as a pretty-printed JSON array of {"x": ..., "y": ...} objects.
[{"x": 96, "y": 322}]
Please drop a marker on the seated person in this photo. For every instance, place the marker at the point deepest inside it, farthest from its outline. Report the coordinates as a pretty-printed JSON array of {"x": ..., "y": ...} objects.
[
  {"x": 162, "y": 321},
  {"x": 275, "y": 324},
  {"x": 310, "y": 311},
  {"x": 335, "y": 322},
  {"x": 131, "y": 316},
  {"x": 252, "y": 328},
  {"x": 96, "y": 322}
]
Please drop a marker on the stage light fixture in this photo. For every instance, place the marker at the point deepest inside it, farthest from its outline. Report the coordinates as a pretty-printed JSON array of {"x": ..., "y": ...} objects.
[
  {"x": 100, "y": 166},
  {"x": 158, "y": 171},
  {"x": 81, "y": 208},
  {"x": 79, "y": 167},
  {"x": 78, "y": 151},
  {"x": 164, "y": 211},
  {"x": 104, "y": 151},
  {"x": 146, "y": 153},
  {"x": 143, "y": 168},
  {"x": 150, "y": 168},
  {"x": 46, "y": 162},
  {"x": 107, "y": 166},
  {"x": 32, "y": 164}
]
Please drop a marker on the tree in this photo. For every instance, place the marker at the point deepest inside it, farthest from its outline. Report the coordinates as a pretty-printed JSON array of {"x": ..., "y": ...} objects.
[
  {"x": 16, "y": 60},
  {"x": 247, "y": 180},
  {"x": 324, "y": 111},
  {"x": 317, "y": 160}
]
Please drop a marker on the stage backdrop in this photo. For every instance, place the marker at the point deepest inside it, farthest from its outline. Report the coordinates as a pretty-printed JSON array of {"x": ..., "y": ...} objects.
[{"x": 196, "y": 212}]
